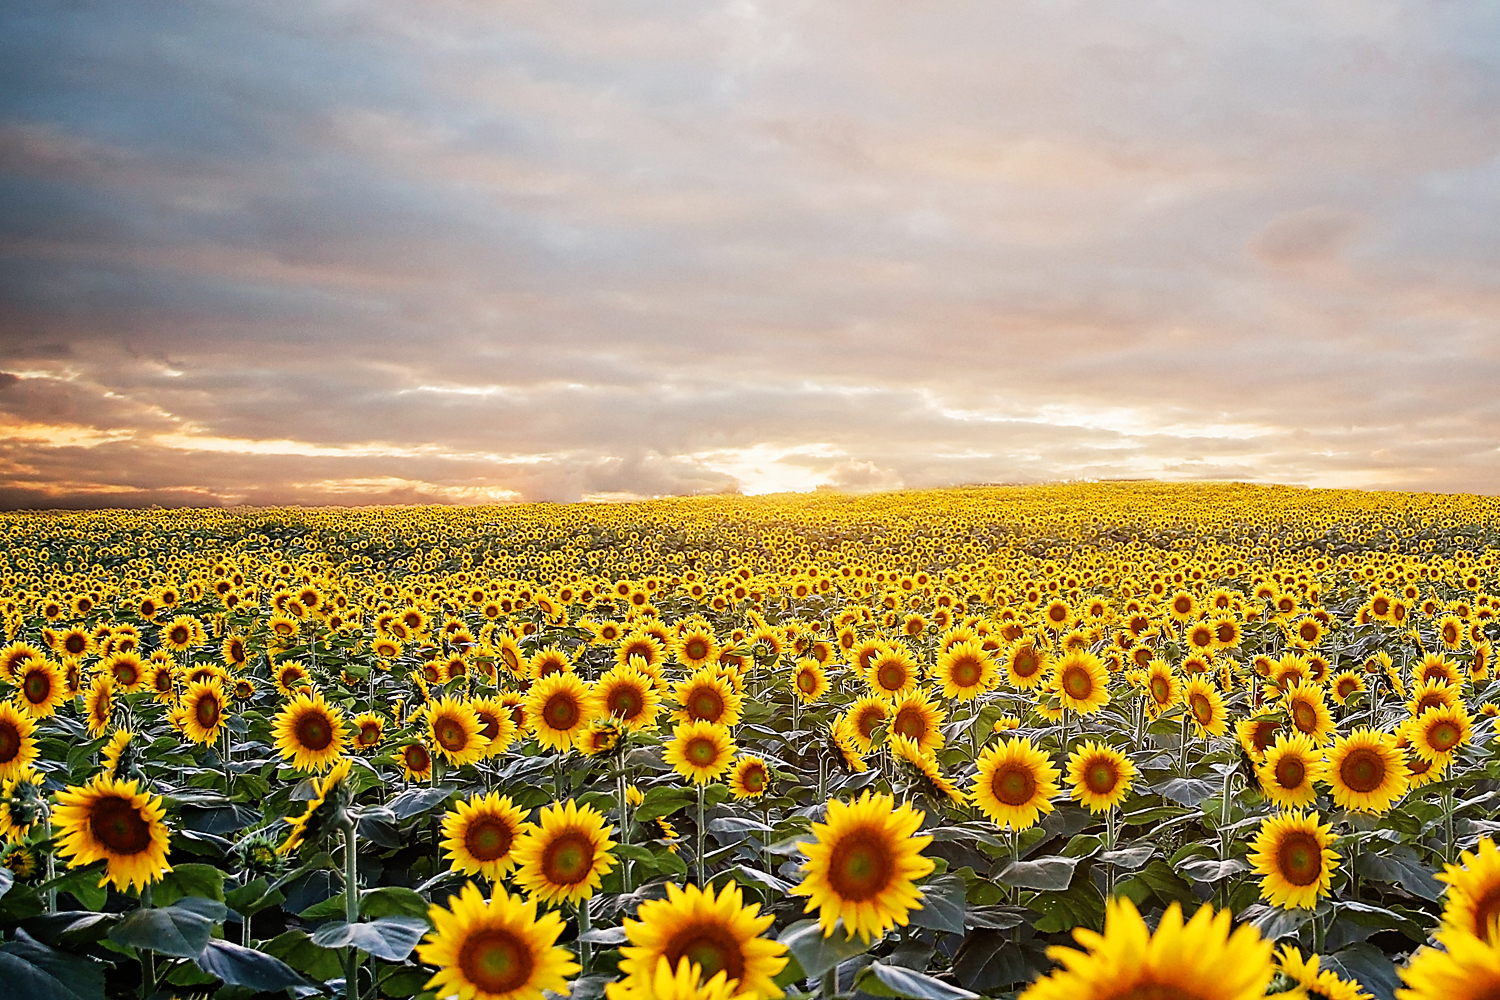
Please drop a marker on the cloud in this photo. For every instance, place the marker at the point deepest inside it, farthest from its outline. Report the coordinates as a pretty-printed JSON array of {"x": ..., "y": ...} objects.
[{"x": 262, "y": 253}]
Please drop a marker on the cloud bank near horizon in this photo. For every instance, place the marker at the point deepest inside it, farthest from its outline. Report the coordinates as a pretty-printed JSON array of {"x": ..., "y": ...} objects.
[{"x": 458, "y": 252}]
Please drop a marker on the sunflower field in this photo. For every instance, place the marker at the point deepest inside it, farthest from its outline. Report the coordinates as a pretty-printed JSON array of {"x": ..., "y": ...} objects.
[{"x": 1118, "y": 741}]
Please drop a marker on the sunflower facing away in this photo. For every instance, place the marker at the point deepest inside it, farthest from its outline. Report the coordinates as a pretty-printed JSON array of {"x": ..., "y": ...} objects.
[
  {"x": 495, "y": 949},
  {"x": 1473, "y": 902},
  {"x": 453, "y": 728},
  {"x": 558, "y": 707},
  {"x": 321, "y": 815},
  {"x": 1295, "y": 858},
  {"x": 310, "y": 733},
  {"x": 699, "y": 751},
  {"x": 1015, "y": 783},
  {"x": 480, "y": 835},
  {"x": 564, "y": 858},
  {"x": 1290, "y": 767},
  {"x": 114, "y": 822},
  {"x": 718, "y": 934},
  {"x": 1100, "y": 775},
  {"x": 1366, "y": 770},
  {"x": 863, "y": 865},
  {"x": 1196, "y": 960},
  {"x": 18, "y": 747}
]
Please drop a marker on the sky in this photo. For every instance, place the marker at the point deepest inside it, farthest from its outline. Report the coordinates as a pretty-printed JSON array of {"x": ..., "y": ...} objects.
[{"x": 468, "y": 252}]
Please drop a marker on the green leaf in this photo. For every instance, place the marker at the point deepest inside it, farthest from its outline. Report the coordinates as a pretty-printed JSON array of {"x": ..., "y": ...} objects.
[
  {"x": 393, "y": 901},
  {"x": 1080, "y": 906},
  {"x": 663, "y": 800},
  {"x": 71, "y": 927},
  {"x": 390, "y": 938},
  {"x": 987, "y": 961},
  {"x": 331, "y": 908},
  {"x": 189, "y": 880},
  {"x": 415, "y": 801},
  {"x": 1368, "y": 966},
  {"x": 1047, "y": 874},
  {"x": 171, "y": 930},
  {"x": 297, "y": 950},
  {"x": 7, "y": 879},
  {"x": 1401, "y": 866},
  {"x": 31, "y": 969},
  {"x": 83, "y": 883},
  {"x": 942, "y": 905},
  {"x": 239, "y": 966},
  {"x": 817, "y": 953},
  {"x": 883, "y": 980},
  {"x": 1161, "y": 880}
]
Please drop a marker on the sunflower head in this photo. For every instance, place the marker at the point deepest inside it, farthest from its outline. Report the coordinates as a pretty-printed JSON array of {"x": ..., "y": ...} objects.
[
  {"x": 699, "y": 751},
  {"x": 327, "y": 807},
  {"x": 1015, "y": 783},
  {"x": 116, "y": 822},
  {"x": 565, "y": 857},
  {"x": 1101, "y": 776},
  {"x": 1473, "y": 902},
  {"x": 1367, "y": 771},
  {"x": 716, "y": 933},
  {"x": 310, "y": 732},
  {"x": 1295, "y": 858},
  {"x": 481, "y": 833},
  {"x": 496, "y": 948}
]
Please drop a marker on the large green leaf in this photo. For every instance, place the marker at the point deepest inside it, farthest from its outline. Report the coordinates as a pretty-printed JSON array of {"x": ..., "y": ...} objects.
[
  {"x": 817, "y": 953},
  {"x": 239, "y": 966},
  {"x": 189, "y": 879},
  {"x": 34, "y": 971},
  {"x": 942, "y": 905},
  {"x": 882, "y": 980},
  {"x": 1048, "y": 874},
  {"x": 390, "y": 938},
  {"x": 170, "y": 930},
  {"x": 297, "y": 950}
]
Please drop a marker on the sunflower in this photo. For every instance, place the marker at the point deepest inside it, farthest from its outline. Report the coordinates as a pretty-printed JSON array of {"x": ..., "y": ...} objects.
[
  {"x": 1205, "y": 706},
  {"x": 1295, "y": 858},
  {"x": 699, "y": 751},
  {"x": 110, "y": 756},
  {"x": 181, "y": 634},
  {"x": 687, "y": 983},
  {"x": 1196, "y": 960},
  {"x": 1433, "y": 693},
  {"x": 22, "y": 804},
  {"x": 1255, "y": 735},
  {"x": 809, "y": 682},
  {"x": 291, "y": 679},
  {"x": 1366, "y": 771},
  {"x": 39, "y": 688},
  {"x": 1473, "y": 903},
  {"x": 966, "y": 670},
  {"x": 1288, "y": 770},
  {"x": 310, "y": 732},
  {"x": 926, "y": 772},
  {"x": 749, "y": 778},
  {"x": 1100, "y": 775},
  {"x": 892, "y": 673},
  {"x": 17, "y": 653},
  {"x": 453, "y": 729},
  {"x": 75, "y": 642},
  {"x": 481, "y": 833},
  {"x": 21, "y": 860},
  {"x": 564, "y": 858},
  {"x": 916, "y": 718},
  {"x": 716, "y": 933},
  {"x": 495, "y": 724},
  {"x": 1468, "y": 970},
  {"x": 863, "y": 865},
  {"x": 1081, "y": 682},
  {"x": 495, "y": 949},
  {"x": 862, "y": 718},
  {"x": 647, "y": 647},
  {"x": 203, "y": 712},
  {"x": 369, "y": 730},
  {"x": 629, "y": 697},
  {"x": 18, "y": 746},
  {"x": 549, "y": 661},
  {"x": 1324, "y": 984},
  {"x": 416, "y": 761},
  {"x": 559, "y": 707},
  {"x": 1015, "y": 783},
  {"x": 1437, "y": 733},
  {"x": 1163, "y": 689},
  {"x": 707, "y": 697},
  {"x": 113, "y": 821},
  {"x": 1346, "y": 684},
  {"x": 321, "y": 816},
  {"x": 1309, "y": 713},
  {"x": 127, "y": 670},
  {"x": 696, "y": 647}
]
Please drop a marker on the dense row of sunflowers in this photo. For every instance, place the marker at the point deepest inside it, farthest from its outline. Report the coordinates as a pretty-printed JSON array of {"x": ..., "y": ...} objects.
[{"x": 1227, "y": 741}]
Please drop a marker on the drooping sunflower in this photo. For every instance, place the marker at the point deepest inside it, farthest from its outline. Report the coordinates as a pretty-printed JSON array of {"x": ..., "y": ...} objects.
[
  {"x": 22, "y": 805},
  {"x": 115, "y": 822},
  {"x": 809, "y": 681},
  {"x": 749, "y": 778},
  {"x": 629, "y": 697},
  {"x": 1472, "y": 905},
  {"x": 558, "y": 707},
  {"x": 453, "y": 728},
  {"x": 369, "y": 730},
  {"x": 699, "y": 751},
  {"x": 310, "y": 733},
  {"x": 1081, "y": 682},
  {"x": 1325, "y": 984},
  {"x": 203, "y": 712},
  {"x": 708, "y": 697},
  {"x": 863, "y": 865},
  {"x": 18, "y": 746},
  {"x": 862, "y": 717},
  {"x": 1289, "y": 769},
  {"x": 565, "y": 856},
  {"x": 1437, "y": 733},
  {"x": 926, "y": 772},
  {"x": 966, "y": 670},
  {"x": 843, "y": 749},
  {"x": 1015, "y": 783},
  {"x": 320, "y": 817},
  {"x": 495, "y": 949},
  {"x": 21, "y": 860},
  {"x": 1469, "y": 969},
  {"x": 717, "y": 933},
  {"x": 1100, "y": 775},
  {"x": 1308, "y": 711},
  {"x": 916, "y": 718},
  {"x": 1295, "y": 859},
  {"x": 892, "y": 673},
  {"x": 481, "y": 834},
  {"x": 1196, "y": 960},
  {"x": 1366, "y": 771},
  {"x": 1205, "y": 706}
]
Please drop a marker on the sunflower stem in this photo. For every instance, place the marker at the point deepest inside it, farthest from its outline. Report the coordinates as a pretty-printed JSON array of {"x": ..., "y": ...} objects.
[
  {"x": 51, "y": 859},
  {"x": 624, "y": 830},
  {"x": 148, "y": 957},
  {"x": 351, "y": 910},
  {"x": 1448, "y": 845},
  {"x": 1182, "y": 746},
  {"x": 700, "y": 835},
  {"x": 830, "y": 984}
]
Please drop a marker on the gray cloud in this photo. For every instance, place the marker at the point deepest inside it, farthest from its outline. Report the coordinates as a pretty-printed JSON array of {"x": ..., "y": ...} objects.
[{"x": 456, "y": 252}]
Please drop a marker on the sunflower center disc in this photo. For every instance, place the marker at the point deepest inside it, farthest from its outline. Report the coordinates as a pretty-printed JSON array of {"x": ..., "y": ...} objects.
[
  {"x": 754, "y": 779},
  {"x": 701, "y": 752},
  {"x": 1203, "y": 711},
  {"x": 892, "y": 677},
  {"x": 126, "y": 674},
  {"x": 1300, "y": 859},
  {"x": 1444, "y": 737},
  {"x": 1078, "y": 683},
  {"x": 568, "y": 859},
  {"x": 1486, "y": 913},
  {"x": 909, "y": 724},
  {"x": 1160, "y": 690},
  {"x": 561, "y": 712},
  {"x": 1013, "y": 786},
  {"x": 1289, "y": 772},
  {"x": 624, "y": 703},
  {"x": 1025, "y": 665},
  {"x": 207, "y": 712},
  {"x": 451, "y": 735},
  {"x": 489, "y": 726},
  {"x": 966, "y": 673},
  {"x": 314, "y": 732},
  {"x": 10, "y": 742},
  {"x": 117, "y": 824},
  {"x": 707, "y": 706},
  {"x": 417, "y": 758},
  {"x": 1101, "y": 777},
  {"x": 860, "y": 866},
  {"x": 712, "y": 947},
  {"x": 487, "y": 839},
  {"x": 369, "y": 734},
  {"x": 1363, "y": 770},
  {"x": 495, "y": 961},
  {"x": 1156, "y": 991},
  {"x": 1305, "y": 716},
  {"x": 696, "y": 649},
  {"x": 37, "y": 688}
]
